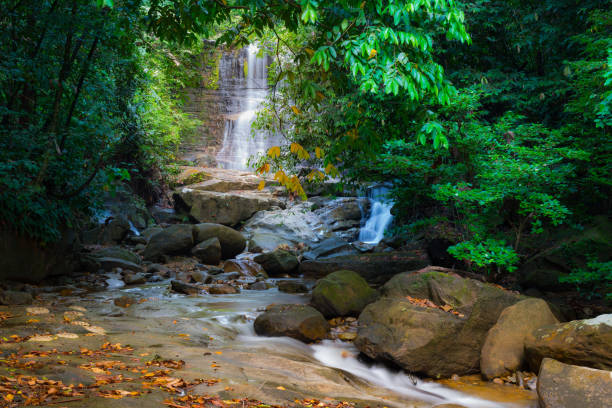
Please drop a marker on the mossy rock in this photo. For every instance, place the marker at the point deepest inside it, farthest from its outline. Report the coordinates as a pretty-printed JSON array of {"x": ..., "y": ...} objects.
[{"x": 342, "y": 293}]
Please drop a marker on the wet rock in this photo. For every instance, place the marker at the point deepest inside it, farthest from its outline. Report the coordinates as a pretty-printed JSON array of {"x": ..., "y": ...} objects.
[
  {"x": 278, "y": 262},
  {"x": 125, "y": 301},
  {"x": 221, "y": 289},
  {"x": 344, "y": 212},
  {"x": 161, "y": 270},
  {"x": 184, "y": 288},
  {"x": 569, "y": 386},
  {"x": 117, "y": 253},
  {"x": 580, "y": 342},
  {"x": 449, "y": 406},
  {"x": 11, "y": 297},
  {"x": 136, "y": 240},
  {"x": 292, "y": 287},
  {"x": 134, "y": 278},
  {"x": 503, "y": 351},
  {"x": 149, "y": 232},
  {"x": 342, "y": 293},
  {"x": 199, "y": 276},
  {"x": 261, "y": 285},
  {"x": 244, "y": 267},
  {"x": 229, "y": 208},
  {"x": 109, "y": 264},
  {"x": 264, "y": 242},
  {"x": 329, "y": 247},
  {"x": 174, "y": 240},
  {"x": 300, "y": 322},
  {"x": 232, "y": 242},
  {"x": 375, "y": 268},
  {"x": 208, "y": 251}
]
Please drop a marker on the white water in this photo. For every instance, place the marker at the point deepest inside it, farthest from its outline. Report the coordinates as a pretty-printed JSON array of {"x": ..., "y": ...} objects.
[
  {"x": 373, "y": 230},
  {"x": 245, "y": 95}
]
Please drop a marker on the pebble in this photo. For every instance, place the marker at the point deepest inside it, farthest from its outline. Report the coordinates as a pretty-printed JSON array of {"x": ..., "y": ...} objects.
[{"x": 37, "y": 310}]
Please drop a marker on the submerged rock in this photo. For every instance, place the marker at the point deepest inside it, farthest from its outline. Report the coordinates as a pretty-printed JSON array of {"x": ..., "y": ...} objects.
[
  {"x": 11, "y": 297},
  {"x": 503, "y": 350},
  {"x": 301, "y": 322},
  {"x": 184, "y": 288},
  {"x": 232, "y": 242},
  {"x": 221, "y": 289},
  {"x": 342, "y": 293},
  {"x": 580, "y": 342},
  {"x": 208, "y": 251},
  {"x": 278, "y": 262},
  {"x": 569, "y": 386}
]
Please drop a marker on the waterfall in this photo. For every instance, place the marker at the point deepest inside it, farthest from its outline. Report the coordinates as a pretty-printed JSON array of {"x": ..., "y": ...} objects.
[
  {"x": 243, "y": 78},
  {"x": 379, "y": 218}
]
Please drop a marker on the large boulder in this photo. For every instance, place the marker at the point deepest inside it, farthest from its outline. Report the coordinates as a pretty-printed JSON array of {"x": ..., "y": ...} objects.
[
  {"x": 298, "y": 321},
  {"x": 176, "y": 239},
  {"x": 264, "y": 242},
  {"x": 208, "y": 251},
  {"x": 342, "y": 293},
  {"x": 580, "y": 342},
  {"x": 232, "y": 242},
  {"x": 376, "y": 268},
  {"x": 117, "y": 252},
  {"x": 415, "y": 338},
  {"x": 503, "y": 350},
  {"x": 332, "y": 246},
  {"x": 344, "y": 212},
  {"x": 222, "y": 208},
  {"x": 278, "y": 262},
  {"x": 473, "y": 306},
  {"x": 569, "y": 386}
]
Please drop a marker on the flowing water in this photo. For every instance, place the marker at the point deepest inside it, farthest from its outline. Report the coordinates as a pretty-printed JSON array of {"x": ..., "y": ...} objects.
[
  {"x": 255, "y": 365},
  {"x": 243, "y": 82},
  {"x": 379, "y": 218}
]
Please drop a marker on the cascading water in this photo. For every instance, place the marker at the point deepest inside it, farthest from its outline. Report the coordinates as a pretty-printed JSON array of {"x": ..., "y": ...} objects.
[
  {"x": 243, "y": 78},
  {"x": 379, "y": 218}
]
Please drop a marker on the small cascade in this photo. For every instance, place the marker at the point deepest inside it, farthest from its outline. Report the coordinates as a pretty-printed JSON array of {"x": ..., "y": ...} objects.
[
  {"x": 243, "y": 78},
  {"x": 379, "y": 218}
]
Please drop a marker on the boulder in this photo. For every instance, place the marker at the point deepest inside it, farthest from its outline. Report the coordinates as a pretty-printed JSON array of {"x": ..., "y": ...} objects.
[
  {"x": 261, "y": 285},
  {"x": 342, "y": 293},
  {"x": 278, "y": 262},
  {"x": 134, "y": 278},
  {"x": 11, "y": 297},
  {"x": 580, "y": 342},
  {"x": 569, "y": 386},
  {"x": 117, "y": 253},
  {"x": 417, "y": 339},
  {"x": 108, "y": 264},
  {"x": 503, "y": 351},
  {"x": 292, "y": 287},
  {"x": 221, "y": 289},
  {"x": 113, "y": 231},
  {"x": 174, "y": 240},
  {"x": 332, "y": 246},
  {"x": 344, "y": 212},
  {"x": 474, "y": 308},
  {"x": 223, "y": 208},
  {"x": 244, "y": 267},
  {"x": 184, "y": 288},
  {"x": 376, "y": 268},
  {"x": 208, "y": 251},
  {"x": 300, "y": 322},
  {"x": 232, "y": 242},
  {"x": 149, "y": 232},
  {"x": 264, "y": 242}
]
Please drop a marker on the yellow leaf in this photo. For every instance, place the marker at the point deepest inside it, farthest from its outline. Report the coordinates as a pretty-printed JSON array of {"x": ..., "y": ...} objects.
[
  {"x": 296, "y": 110},
  {"x": 9, "y": 397},
  {"x": 280, "y": 387},
  {"x": 373, "y": 53},
  {"x": 295, "y": 147},
  {"x": 261, "y": 185},
  {"x": 183, "y": 335},
  {"x": 309, "y": 51},
  {"x": 274, "y": 151},
  {"x": 218, "y": 352},
  {"x": 318, "y": 152}
]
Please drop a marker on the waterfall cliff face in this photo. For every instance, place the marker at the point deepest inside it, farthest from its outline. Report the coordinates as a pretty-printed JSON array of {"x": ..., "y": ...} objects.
[{"x": 243, "y": 86}]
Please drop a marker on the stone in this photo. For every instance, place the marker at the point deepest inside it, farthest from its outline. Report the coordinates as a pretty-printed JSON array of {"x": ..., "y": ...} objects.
[
  {"x": 221, "y": 289},
  {"x": 342, "y": 293},
  {"x": 125, "y": 301},
  {"x": 292, "y": 287},
  {"x": 278, "y": 262},
  {"x": 569, "y": 386},
  {"x": 134, "y": 278},
  {"x": 261, "y": 285},
  {"x": 232, "y": 242},
  {"x": 300, "y": 322},
  {"x": 376, "y": 268},
  {"x": 199, "y": 276},
  {"x": 229, "y": 208},
  {"x": 503, "y": 351},
  {"x": 344, "y": 212},
  {"x": 12, "y": 297},
  {"x": 117, "y": 253},
  {"x": 174, "y": 240},
  {"x": 108, "y": 264},
  {"x": 579, "y": 342},
  {"x": 208, "y": 251},
  {"x": 184, "y": 288},
  {"x": 332, "y": 246},
  {"x": 265, "y": 242},
  {"x": 149, "y": 232}
]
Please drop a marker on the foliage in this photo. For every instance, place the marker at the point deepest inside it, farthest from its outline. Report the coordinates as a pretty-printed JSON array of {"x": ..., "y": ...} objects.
[{"x": 595, "y": 277}]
